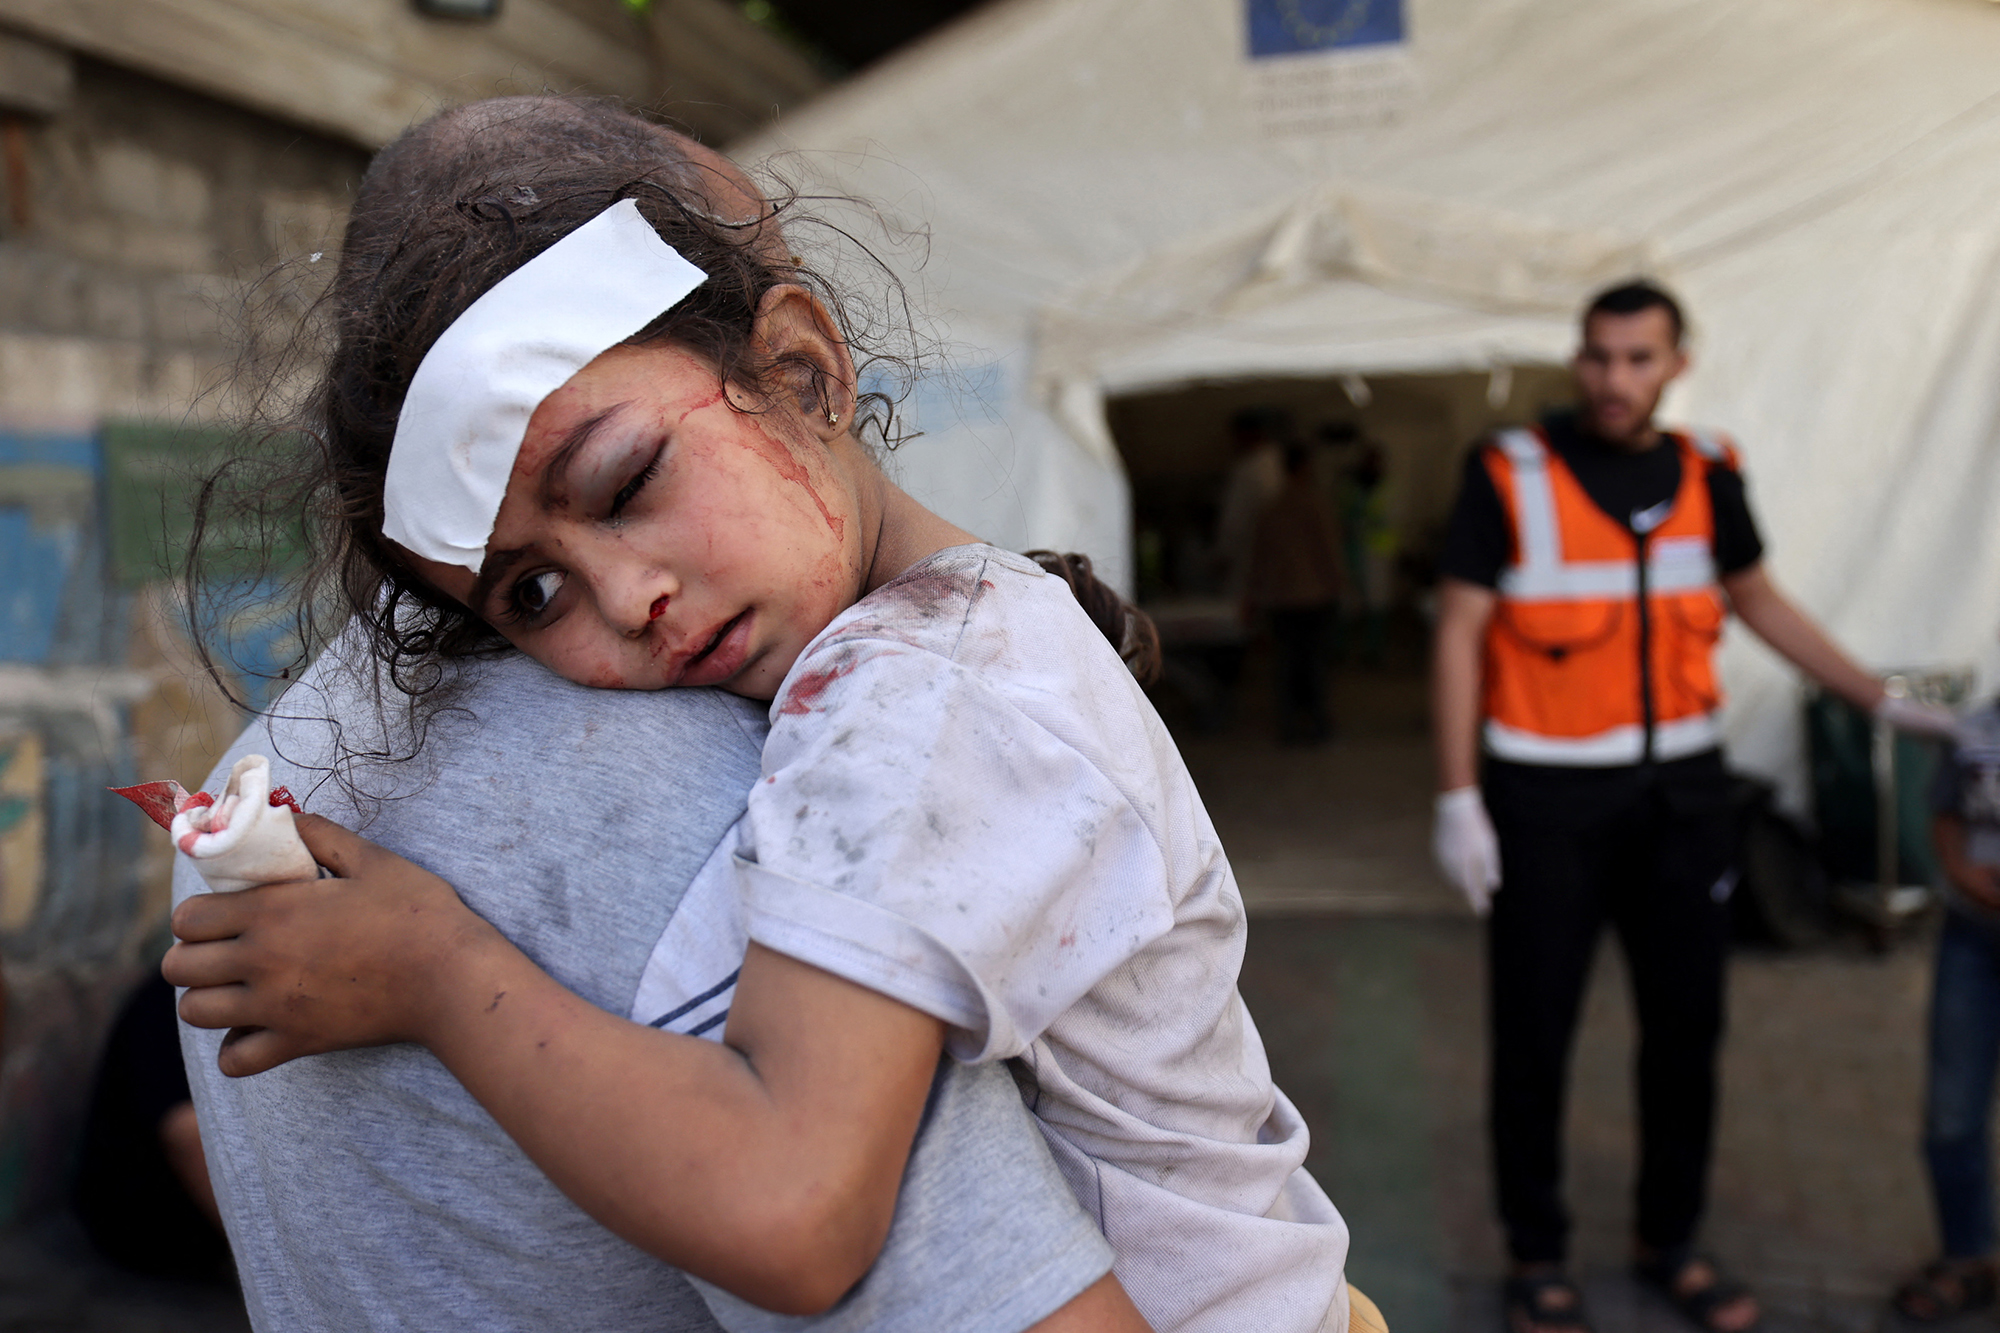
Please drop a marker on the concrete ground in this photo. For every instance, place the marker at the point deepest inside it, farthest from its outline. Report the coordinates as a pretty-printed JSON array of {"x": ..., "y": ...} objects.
[
  {"x": 1365, "y": 975},
  {"x": 1366, "y": 978}
]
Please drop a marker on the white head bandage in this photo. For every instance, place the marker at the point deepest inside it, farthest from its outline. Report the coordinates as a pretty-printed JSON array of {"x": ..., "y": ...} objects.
[{"x": 468, "y": 406}]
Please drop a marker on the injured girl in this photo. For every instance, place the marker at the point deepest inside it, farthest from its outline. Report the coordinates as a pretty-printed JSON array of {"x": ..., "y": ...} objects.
[{"x": 576, "y": 409}]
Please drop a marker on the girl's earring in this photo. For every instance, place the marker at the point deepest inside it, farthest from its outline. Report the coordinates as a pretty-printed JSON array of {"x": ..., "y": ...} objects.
[{"x": 832, "y": 417}]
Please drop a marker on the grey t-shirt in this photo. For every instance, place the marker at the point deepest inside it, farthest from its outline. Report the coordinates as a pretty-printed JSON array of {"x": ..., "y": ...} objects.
[{"x": 367, "y": 1189}]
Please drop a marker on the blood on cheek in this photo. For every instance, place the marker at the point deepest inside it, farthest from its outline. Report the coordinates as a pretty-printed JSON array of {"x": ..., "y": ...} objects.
[
  {"x": 700, "y": 405},
  {"x": 779, "y": 456}
]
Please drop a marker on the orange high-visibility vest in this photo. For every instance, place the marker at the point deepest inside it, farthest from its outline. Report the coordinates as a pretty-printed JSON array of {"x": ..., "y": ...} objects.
[{"x": 1600, "y": 650}]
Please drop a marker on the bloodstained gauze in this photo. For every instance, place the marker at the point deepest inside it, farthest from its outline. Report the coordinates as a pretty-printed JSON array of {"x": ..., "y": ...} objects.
[
  {"x": 659, "y": 608},
  {"x": 161, "y": 801}
]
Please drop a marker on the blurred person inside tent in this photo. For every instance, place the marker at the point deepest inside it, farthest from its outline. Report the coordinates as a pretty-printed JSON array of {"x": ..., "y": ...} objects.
[
  {"x": 1368, "y": 541},
  {"x": 1256, "y": 476},
  {"x": 1295, "y": 583}
]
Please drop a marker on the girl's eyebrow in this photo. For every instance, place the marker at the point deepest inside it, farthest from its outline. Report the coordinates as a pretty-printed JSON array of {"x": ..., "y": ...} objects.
[{"x": 555, "y": 478}]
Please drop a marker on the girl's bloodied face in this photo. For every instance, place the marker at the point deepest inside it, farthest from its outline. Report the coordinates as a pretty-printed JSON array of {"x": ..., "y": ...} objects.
[{"x": 653, "y": 534}]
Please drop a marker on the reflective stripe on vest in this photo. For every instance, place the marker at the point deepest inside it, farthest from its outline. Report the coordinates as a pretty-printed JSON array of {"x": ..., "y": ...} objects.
[
  {"x": 1674, "y": 564},
  {"x": 1707, "y": 445},
  {"x": 1619, "y": 746},
  {"x": 1539, "y": 711}
]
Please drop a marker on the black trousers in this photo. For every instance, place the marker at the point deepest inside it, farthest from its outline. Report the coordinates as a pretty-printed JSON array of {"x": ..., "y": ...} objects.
[
  {"x": 1302, "y": 634},
  {"x": 1648, "y": 851}
]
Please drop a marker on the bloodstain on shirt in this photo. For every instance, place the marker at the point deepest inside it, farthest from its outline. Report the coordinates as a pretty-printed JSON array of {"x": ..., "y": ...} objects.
[{"x": 808, "y": 689}]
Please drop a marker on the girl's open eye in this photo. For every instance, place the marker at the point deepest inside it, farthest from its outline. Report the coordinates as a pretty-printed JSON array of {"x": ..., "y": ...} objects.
[
  {"x": 630, "y": 490},
  {"x": 532, "y": 595}
]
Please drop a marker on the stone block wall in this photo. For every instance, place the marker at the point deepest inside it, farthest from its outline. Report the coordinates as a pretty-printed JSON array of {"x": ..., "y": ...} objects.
[
  {"x": 132, "y": 216},
  {"x": 130, "y": 226},
  {"x": 152, "y": 171}
]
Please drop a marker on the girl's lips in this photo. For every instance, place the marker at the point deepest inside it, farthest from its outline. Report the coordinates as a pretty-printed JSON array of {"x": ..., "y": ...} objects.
[{"x": 716, "y": 664}]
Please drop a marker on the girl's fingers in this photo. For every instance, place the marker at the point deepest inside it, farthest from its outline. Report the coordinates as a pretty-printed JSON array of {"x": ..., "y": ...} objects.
[
  {"x": 216, "y": 1006},
  {"x": 339, "y": 849},
  {"x": 211, "y": 964},
  {"x": 254, "y": 1050},
  {"x": 213, "y": 916}
]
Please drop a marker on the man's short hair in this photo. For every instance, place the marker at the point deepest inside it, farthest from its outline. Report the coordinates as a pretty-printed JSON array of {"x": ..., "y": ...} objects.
[{"x": 1629, "y": 298}]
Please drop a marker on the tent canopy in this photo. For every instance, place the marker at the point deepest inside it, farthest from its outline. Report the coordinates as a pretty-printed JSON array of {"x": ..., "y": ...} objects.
[{"x": 1113, "y": 207}]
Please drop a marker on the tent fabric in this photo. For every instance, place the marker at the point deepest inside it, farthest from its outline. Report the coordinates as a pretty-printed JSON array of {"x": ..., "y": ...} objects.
[{"x": 1816, "y": 177}]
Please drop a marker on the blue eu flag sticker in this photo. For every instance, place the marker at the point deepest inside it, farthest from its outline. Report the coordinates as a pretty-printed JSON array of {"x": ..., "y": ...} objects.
[{"x": 1299, "y": 27}]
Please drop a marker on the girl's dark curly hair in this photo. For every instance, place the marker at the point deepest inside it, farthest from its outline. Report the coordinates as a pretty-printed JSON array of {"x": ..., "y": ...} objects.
[{"x": 442, "y": 215}]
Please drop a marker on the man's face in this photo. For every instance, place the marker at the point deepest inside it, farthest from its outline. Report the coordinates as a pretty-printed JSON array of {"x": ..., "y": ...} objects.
[{"x": 1624, "y": 365}]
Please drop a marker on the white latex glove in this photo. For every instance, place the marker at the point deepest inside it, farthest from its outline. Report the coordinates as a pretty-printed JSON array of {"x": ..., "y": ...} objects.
[
  {"x": 1918, "y": 718},
  {"x": 1466, "y": 847}
]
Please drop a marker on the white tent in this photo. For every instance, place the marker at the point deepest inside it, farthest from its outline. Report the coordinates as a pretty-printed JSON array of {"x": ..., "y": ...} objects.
[{"x": 1121, "y": 196}]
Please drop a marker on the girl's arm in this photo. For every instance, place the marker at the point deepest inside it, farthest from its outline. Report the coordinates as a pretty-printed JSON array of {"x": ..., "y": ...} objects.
[{"x": 768, "y": 1164}]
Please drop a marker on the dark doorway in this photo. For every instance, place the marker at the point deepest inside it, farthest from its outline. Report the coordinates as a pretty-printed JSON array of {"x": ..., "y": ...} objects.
[{"x": 1340, "y": 825}]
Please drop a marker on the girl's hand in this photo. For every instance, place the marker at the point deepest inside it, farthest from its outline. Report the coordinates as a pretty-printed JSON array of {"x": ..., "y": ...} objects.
[{"x": 323, "y": 965}]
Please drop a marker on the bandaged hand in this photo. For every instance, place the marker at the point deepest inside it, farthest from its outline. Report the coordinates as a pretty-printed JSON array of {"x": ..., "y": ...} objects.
[
  {"x": 1921, "y": 719},
  {"x": 244, "y": 838},
  {"x": 310, "y": 966},
  {"x": 1466, "y": 847}
]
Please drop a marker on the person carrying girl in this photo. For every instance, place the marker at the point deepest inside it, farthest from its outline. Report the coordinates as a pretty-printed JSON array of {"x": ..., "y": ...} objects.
[
  {"x": 366, "y": 1189},
  {"x": 577, "y": 411}
]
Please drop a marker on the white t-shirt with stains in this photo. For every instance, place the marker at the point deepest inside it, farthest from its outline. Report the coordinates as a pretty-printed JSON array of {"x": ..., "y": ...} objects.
[{"x": 967, "y": 803}]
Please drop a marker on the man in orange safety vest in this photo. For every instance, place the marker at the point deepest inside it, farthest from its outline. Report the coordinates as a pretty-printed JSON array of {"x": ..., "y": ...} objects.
[{"x": 1588, "y": 568}]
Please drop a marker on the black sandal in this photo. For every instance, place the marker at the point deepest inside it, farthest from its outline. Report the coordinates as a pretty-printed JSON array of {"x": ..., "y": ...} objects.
[
  {"x": 1663, "y": 1272},
  {"x": 1529, "y": 1307},
  {"x": 1946, "y": 1288}
]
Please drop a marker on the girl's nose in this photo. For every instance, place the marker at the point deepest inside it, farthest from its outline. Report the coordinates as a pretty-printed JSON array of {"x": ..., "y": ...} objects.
[{"x": 639, "y": 600}]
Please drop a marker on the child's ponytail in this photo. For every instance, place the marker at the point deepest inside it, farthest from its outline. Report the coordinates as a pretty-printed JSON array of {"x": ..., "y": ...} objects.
[{"x": 1131, "y": 631}]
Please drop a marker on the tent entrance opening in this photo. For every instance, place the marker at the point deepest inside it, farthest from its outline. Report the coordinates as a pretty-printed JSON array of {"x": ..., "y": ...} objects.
[{"x": 1309, "y": 826}]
